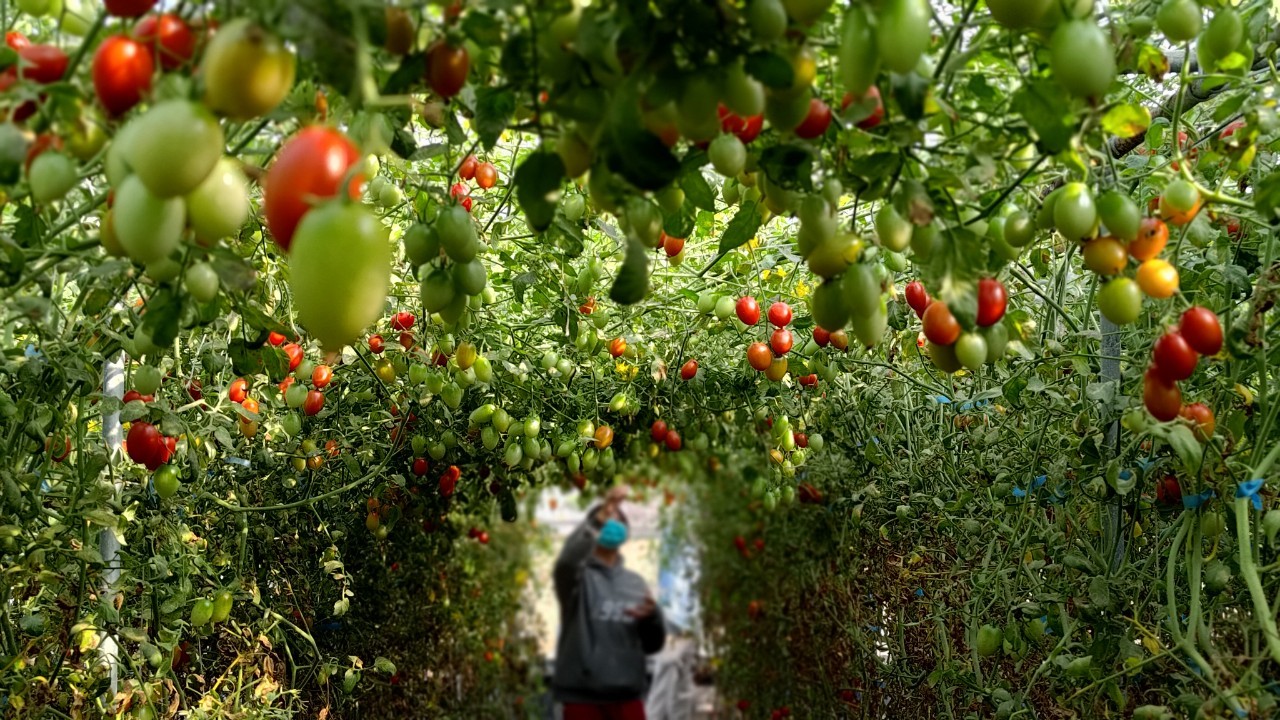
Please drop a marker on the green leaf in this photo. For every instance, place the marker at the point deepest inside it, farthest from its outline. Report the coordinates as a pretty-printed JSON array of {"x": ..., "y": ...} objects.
[
  {"x": 680, "y": 224},
  {"x": 494, "y": 107},
  {"x": 1044, "y": 106},
  {"x": 742, "y": 228},
  {"x": 538, "y": 181},
  {"x": 771, "y": 69},
  {"x": 1184, "y": 443},
  {"x": 1152, "y": 62},
  {"x": 632, "y": 283},
  {"x": 161, "y": 320},
  {"x": 1126, "y": 120},
  {"x": 482, "y": 27},
  {"x": 1266, "y": 195},
  {"x": 521, "y": 283},
  {"x": 384, "y": 665},
  {"x": 696, "y": 188},
  {"x": 789, "y": 166}
]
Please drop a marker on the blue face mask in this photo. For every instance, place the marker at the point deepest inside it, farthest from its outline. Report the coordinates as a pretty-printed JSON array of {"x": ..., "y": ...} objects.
[{"x": 612, "y": 535}]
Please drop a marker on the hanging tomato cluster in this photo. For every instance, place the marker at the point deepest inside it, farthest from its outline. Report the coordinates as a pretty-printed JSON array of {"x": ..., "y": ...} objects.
[
  {"x": 1173, "y": 359},
  {"x": 950, "y": 346}
]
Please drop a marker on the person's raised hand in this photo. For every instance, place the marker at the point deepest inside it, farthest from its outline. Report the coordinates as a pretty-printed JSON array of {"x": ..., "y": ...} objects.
[{"x": 645, "y": 609}]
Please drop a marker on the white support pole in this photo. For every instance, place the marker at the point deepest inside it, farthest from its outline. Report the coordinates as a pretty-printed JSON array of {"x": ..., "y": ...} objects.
[{"x": 108, "y": 546}]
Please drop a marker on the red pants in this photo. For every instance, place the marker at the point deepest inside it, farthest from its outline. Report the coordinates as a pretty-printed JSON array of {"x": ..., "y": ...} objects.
[{"x": 633, "y": 710}]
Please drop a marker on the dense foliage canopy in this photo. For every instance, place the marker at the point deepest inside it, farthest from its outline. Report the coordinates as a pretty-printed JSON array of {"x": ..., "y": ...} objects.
[{"x": 948, "y": 328}]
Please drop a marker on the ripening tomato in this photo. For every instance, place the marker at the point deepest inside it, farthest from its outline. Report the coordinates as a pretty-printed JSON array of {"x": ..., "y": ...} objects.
[
  {"x": 1201, "y": 418},
  {"x": 168, "y": 37},
  {"x": 1202, "y": 330},
  {"x": 759, "y": 356},
  {"x": 992, "y": 301},
  {"x": 294, "y": 351},
  {"x": 321, "y": 376},
  {"x": 877, "y": 113},
  {"x": 247, "y": 71},
  {"x": 447, "y": 68},
  {"x": 917, "y": 297},
  {"x": 588, "y": 307},
  {"x": 486, "y": 175},
  {"x": 1158, "y": 278},
  {"x": 672, "y": 246},
  {"x": 673, "y": 441},
  {"x": 402, "y": 321},
  {"x": 1162, "y": 399},
  {"x": 420, "y": 466},
  {"x": 377, "y": 344},
  {"x": 821, "y": 336},
  {"x": 658, "y": 430},
  {"x": 781, "y": 341},
  {"x": 467, "y": 170},
  {"x": 940, "y": 326},
  {"x": 840, "y": 340},
  {"x": 122, "y": 70},
  {"x": 748, "y": 310},
  {"x": 689, "y": 370},
  {"x": 780, "y": 314},
  {"x": 1106, "y": 256},
  {"x": 1180, "y": 202},
  {"x": 1173, "y": 357},
  {"x": 746, "y": 129},
  {"x": 816, "y": 122},
  {"x": 43, "y": 64},
  {"x": 311, "y": 165},
  {"x": 603, "y": 436},
  {"x": 129, "y": 8},
  {"x": 617, "y": 347},
  {"x": 1153, "y": 236},
  {"x": 314, "y": 402},
  {"x": 250, "y": 405},
  {"x": 238, "y": 391}
]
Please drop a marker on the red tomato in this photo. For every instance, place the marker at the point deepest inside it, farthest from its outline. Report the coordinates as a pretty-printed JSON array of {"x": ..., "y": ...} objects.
[
  {"x": 940, "y": 325},
  {"x": 43, "y": 64},
  {"x": 1201, "y": 418},
  {"x": 658, "y": 430},
  {"x": 9, "y": 78},
  {"x": 168, "y": 38},
  {"x": 840, "y": 340},
  {"x": 1162, "y": 399},
  {"x": 821, "y": 336},
  {"x": 459, "y": 190},
  {"x": 748, "y": 310},
  {"x": 689, "y": 370},
  {"x": 588, "y": 307},
  {"x": 122, "y": 69},
  {"x": 250, "y": 405},
  {"x": 447, "y": 68},
  {"x": 674, "y": 443},
  {"x": 747, "y": 129},
  {"x": 406, "y": 340},
  {"x": 617, "y": 346},
  {"x": 321, "y": 376},
  {"x": 1202, "y": 330},
  {"x": 816, "y": 122},
  {"x": 1168, "y": 491},
  {"x": 131, "y": 396},
  {"x": 483, "y": 537},
  {"x": 275, "y": 339},
  {"x": 294, "y": 351},
  {"x": 467, "y": 169},
  {"x": 810, "y": 380},
  {"x": 802, "y": 440},
  {"x": 917, "y": 297},
  {"x": 466, "y": 203},
  {"x": 402, "y": 321},
  {"x": 129, "y": 8},
  {"x": 992, "y": 301},
  {"x": 314, "y": 402},
  {"x": 449, "y": 481},
  {"x": 780, "y": 314},
  {"x": 145, "y": 445},
  {"x": 310, "y": 165},
  {"x": 376, "y": 344},
  {"x": 16, "y": 40},
  {"x": 780, "y": 341},
  {"x": 759, "y": 356},
  {"x": 876, "y": 116},
  {"x": 238, "y": 391},
  {"x": 486, "y": 175},
  {"x": 1173, "y": 358},
  {"x": 672, "y": 246},
  {"x": 195, "y": 390},
  {"x": 420, "y": 466}
]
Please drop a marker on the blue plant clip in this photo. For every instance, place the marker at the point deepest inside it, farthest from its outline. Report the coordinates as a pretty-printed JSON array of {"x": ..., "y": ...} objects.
[
  {"x": 1035, "y": 485},
  {"x": 942, "y": 400},
  {"x": 1191, "y": 502},
  {"x": 1146, "y": 463},
  {"x": 919, "y": 592},
  {"x": 31, "y": 353},
  {"x": 1251, "y": 489}
]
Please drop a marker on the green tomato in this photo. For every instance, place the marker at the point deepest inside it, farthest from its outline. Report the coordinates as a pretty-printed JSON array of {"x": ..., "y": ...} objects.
[
  {"x": 149, "y": 228},
  {"x": 1223, "y": 34},
  {"x": 166, "y": 482},
  {"x": 1120, "y": 214},
  {"x": 1179, "y": 20},
  {"x": 768, "y": 19},
  {"x": 858, "y": 60},
  {"x": 728, "y": 155},
  {"x": 147, "y": 379},
  {"x": 201, "y": 280},
  {"x": 222, "y": 603},
  {"x": 291, "y": 423},
  {"x": 52, "y": 175},
  {"x": 990, "y": 640},
  {"x": 340, "y": 268},
  {"x": 1075, "y": 214},
  {"x": 1082, "y": 58},
  {"x": 175, "y": 125},
  {"x": 219, "y": 206},
  {"x": 971, "y": 350},
  {"x": 893, "y": 230},
  {"x": 902, "y": 33},
  {"x": 202, "y": 612},
  {"x": 1017, "y": 14},
  {"x": 1120, "y": 300}
]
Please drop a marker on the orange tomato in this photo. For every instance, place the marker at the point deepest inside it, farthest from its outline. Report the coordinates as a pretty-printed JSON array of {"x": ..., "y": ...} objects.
[
  {"x": 604, "y": 436},
  {"x": 1158, "y": 278},
  {"x": 1153, "y": 235},
  {"x": 760, "y": 356}
]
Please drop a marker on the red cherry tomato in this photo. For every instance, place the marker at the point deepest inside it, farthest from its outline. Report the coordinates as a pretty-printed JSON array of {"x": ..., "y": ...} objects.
[
  {"x": 1173, "y": 357},
  {"x": 275, "y": 339},
  {"x": 617, "y": 347},
  {"x": 877, "y": 114},
  {"x": 992, "y": 301},
  {"x": 658, "y": 430},
  {"x": 294, "y": 351},
  {"x": 447, "y": 68},
  {"x": 486, "y": 175},
  {"x": 459, "y": 190},
  {"x": 238, "y": 391},
  {"x": 672, "y": 246},
  {"x": 168, "y": 37},
  {"x": 122, "y": 69},
  {"x": 16, "y": 40},
  {"x": 1168, "y": 491},
  {"x": 376, "y": 344},
  {"x": 689, "y": 370},
  {"x": 314, "y": 402},
  {"x": 311, "y": 165},
  {"x": 129, "y": 8},
  {"x": 821, "y": 336},
  {"x": 402, "y": 321},
  {"x": 780, "y": 314},
  {"x": 781, "y": 341},
  {"x": 43, "y": 64},
  {"x": 1163, "y": 399},
  {"x": 917, "y": 297},
  {"x": 145, "y": 445},
  {"x": 1202, "y": 330},
  {"x": 420, "y": 466},
  {"x": 759, "y": 356},
  {"x": 747, "y": 129},
  {"x": 673, "y": 440},
  {"x": 321, "y": 376},
  {"x": 467, "y": 170},
  {"x": 816, "y": 122},
  {"x": 940, "y": 326},
  {"x": 1201, "y": 418},
  {"x": 748, "y": 310}
]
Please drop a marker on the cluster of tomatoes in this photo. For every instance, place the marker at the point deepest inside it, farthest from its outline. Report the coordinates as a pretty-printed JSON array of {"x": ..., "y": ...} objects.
[
  {"x": 740, "y": 543},
  {"x": 769, "y": 358},
  {"x": 950, "y": 345},
  {"x": 147, "y": 446},
  {"x": 485, "y": 175},
  {"x": 664, "y": 435},
  {"x": 1174, "y": 358}
]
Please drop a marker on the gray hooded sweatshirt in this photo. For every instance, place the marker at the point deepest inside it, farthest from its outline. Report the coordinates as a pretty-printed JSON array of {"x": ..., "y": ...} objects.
[{"x": 600, "y": 657}]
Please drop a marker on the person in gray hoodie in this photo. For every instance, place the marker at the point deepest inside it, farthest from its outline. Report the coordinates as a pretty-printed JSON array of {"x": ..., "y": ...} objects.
[{"x": 609, "y": 621}]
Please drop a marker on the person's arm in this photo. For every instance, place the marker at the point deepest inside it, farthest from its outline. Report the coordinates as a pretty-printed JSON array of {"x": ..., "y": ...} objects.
[
  {"x": 575, "y": 551},
  {"x": 652, "y": 627}
]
